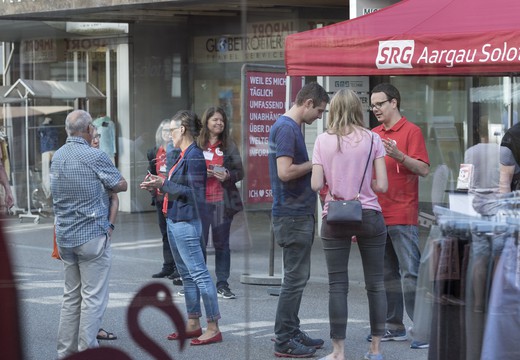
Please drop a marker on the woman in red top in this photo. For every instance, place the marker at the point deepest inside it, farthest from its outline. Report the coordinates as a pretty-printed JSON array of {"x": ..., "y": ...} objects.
[{"x": 224, "y": 167}]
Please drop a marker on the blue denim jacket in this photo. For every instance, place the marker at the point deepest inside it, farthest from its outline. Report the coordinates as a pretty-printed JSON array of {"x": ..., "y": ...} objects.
[{"x": 186, "y": 187}]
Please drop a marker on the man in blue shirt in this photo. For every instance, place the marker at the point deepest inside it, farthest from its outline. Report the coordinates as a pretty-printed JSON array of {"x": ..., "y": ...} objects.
[
  {"x": 82, "y": 178},
  {"x": 294, "y": 206}
]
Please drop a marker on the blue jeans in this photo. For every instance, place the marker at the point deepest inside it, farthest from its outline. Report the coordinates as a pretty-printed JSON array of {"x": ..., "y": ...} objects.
[
  {"x": 85, "y": 296},
  {"x": 402, "y": 258},
  {"x": 337, "y": 241},
  {"x": 295, "y": 235},
  {"x": 184, "y": 237},
  {"x": 220, "y": 227}
]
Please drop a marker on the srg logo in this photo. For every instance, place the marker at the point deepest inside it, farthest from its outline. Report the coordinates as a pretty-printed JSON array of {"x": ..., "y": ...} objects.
[{"x": 395, "y": 54}]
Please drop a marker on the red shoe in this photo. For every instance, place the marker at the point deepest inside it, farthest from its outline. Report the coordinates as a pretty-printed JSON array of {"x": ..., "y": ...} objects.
[
  {"x": 215, "y": 339},
  {"x": 189, "y": 334}
]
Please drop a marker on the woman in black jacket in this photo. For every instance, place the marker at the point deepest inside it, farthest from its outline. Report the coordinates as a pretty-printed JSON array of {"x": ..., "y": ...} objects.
[{"x": 224, "y": 167}]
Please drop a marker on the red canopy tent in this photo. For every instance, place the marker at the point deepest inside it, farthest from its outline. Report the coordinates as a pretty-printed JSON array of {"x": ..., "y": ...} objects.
[{"x": 414, "y": 37}]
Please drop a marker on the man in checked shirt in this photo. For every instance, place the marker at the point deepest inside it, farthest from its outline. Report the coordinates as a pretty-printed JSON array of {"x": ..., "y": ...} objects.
[{"x": 82, "y": 178}]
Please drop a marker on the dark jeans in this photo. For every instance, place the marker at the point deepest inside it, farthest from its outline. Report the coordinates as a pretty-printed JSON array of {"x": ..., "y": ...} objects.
[
  {"x": 295, "y": 235},
  {"x": 337, "y": 241},
  {"x": 169, "y": 263},
  {"x": 220, "y": 227}
]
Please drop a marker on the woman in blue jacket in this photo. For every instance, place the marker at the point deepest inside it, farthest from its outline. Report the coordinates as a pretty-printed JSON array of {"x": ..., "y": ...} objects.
[{"x": 184, "y": 203}]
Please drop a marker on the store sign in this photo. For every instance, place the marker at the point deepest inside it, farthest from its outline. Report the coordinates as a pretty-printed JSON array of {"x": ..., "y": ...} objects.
[
  {"x": 398, "y": 54},
  {"x": 265, "y": 102},
  {"x": 364, "y": 7},
  {"x": 263, "y": 41},
  {"x": 39, "y": 51},
  {"x": 52, "y": 50}
]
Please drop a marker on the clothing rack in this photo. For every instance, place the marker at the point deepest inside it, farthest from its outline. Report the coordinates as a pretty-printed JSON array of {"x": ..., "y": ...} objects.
[{"x": 468, "y": 295}]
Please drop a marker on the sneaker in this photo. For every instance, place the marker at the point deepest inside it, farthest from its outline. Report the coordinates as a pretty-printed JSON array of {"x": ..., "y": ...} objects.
[
  {"x": 419, "y": 345},
  {"x": 304, "y": 339},
  {"x": 369, "y": 356},
  {"x": 391, "y": 335},
  {"x": 181, "y": 293},
  {"x": 225, "y": 293},
  {"x": 293, "y": 349}
]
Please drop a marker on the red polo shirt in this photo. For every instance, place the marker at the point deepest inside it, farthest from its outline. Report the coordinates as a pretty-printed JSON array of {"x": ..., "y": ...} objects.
[{"x": 400, "y": 203}]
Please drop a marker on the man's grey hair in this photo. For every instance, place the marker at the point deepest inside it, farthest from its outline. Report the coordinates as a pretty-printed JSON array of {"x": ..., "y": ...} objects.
[{"x": 77, "y": 122}]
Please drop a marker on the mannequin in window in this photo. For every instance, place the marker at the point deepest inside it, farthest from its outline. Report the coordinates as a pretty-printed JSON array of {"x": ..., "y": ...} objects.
[
  {"x": 48, "y": 145},
  {"x": 107, "y": 129}
]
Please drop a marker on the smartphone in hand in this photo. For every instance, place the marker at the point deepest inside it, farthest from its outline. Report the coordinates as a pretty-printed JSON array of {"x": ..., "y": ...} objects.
[{"x": 218, "y": 168}]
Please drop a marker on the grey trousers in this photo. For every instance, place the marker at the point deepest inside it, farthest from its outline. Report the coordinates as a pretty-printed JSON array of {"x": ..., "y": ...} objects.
[{"x": 85, "y": 295}]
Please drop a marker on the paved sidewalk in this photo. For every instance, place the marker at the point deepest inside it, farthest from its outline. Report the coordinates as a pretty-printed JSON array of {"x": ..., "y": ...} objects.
[{"x": 247, "y": 322}]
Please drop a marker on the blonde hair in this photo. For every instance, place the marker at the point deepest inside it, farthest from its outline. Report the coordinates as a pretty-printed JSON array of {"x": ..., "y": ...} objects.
[
  {"x": 158, "y": 134},
  {"x": 345, "y": 114}
]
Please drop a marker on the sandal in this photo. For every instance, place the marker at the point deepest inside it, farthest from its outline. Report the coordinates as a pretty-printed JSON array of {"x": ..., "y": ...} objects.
[{"x": 105, "y": 335}]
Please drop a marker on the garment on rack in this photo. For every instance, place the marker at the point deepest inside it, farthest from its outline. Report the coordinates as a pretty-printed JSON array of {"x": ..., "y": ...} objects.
[
  {"x": 487, "y": 243},
  {"x": 474, "y": 305},
  {"x": 491, "y": 204},
  {"x": 450, "y": 256},
  {"x": 503, "y": 321},
  {"x": 424, "y": 294}
]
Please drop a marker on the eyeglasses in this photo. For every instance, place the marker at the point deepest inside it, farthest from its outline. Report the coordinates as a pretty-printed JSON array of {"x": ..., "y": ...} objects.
[
  {"x": 173, "y": 129},
  {"x": 377, "y": 105},
  {"x": 98, "y": 136}
]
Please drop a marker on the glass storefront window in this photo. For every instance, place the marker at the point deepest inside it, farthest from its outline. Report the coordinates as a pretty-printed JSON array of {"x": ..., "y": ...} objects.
[{"x": 147, "y": 70}]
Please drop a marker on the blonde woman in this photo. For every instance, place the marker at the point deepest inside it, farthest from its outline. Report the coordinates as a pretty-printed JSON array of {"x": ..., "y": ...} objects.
[{"x": 339, "y": 159}]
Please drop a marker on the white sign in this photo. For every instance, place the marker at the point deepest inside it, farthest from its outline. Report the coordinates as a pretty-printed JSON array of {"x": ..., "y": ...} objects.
[{"x": 358, "y": 84}]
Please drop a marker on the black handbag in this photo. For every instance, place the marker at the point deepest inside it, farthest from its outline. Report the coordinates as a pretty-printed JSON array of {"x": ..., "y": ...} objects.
[{"x": 348, "y": 211}]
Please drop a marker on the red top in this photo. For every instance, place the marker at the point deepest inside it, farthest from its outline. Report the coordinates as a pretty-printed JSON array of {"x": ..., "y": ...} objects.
[
  {"x": 214, "y": 156},
  {"x": 400, "y": 204},
  {"x": 160, "y": 165}
]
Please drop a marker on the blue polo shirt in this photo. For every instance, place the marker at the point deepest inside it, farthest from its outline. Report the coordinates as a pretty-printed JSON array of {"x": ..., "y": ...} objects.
[{"x": 295, "y": 197}]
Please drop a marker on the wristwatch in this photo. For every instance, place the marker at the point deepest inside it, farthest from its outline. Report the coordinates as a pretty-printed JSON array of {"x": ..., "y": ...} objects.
[{"x": 112, "y": 226}]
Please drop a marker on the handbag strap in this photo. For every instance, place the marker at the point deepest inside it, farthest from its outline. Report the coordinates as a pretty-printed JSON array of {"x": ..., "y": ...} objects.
[
  {"x": 366, "y": 165},
  {"x": 364, "y": 172}
]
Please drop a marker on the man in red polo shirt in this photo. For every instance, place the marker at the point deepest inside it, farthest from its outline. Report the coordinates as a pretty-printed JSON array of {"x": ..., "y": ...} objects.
[{"x": 406, "y": 160}]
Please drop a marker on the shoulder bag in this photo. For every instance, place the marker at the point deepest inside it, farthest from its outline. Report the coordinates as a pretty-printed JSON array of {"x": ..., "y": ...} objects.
[{"x": 348, "y": 211}]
